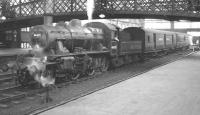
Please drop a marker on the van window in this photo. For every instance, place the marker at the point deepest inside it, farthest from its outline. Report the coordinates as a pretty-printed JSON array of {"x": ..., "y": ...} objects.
[
  {"x": 165, "y": 40},
  {"x": 148, "y": 39}
]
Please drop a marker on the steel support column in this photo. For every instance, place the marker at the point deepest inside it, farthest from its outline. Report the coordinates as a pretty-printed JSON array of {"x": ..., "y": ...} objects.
[
  {"x": 29, "y": 11},
  {"x": 172, "y": 25},
  {"x": 48, "y": 20},
  {"x": 18, "y": 38},
  {"x": 48, "y": 6}
]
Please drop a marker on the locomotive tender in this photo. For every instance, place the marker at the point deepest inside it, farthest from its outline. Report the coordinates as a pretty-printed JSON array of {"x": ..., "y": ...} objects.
[{"x": 74, "y": 50}]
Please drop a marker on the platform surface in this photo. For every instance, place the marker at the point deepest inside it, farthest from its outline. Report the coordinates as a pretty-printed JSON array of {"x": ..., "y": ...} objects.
[
  {"x": 173, "y": 89},
  {"x": 13, "y": 51}
]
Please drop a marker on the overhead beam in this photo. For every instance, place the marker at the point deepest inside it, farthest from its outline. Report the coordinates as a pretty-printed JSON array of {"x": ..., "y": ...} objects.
[
  {"x": 31, "y": 13},
  {"x": 21, "y": 23}
]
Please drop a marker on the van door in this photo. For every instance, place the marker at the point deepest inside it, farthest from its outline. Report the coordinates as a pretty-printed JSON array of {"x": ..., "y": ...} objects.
[
  {"x": 165, "y": 40},
  {"x": 154, "y": 40}
]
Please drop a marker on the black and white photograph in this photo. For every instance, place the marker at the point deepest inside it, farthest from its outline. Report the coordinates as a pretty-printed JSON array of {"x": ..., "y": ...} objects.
[{"x": 99, "y": 57}]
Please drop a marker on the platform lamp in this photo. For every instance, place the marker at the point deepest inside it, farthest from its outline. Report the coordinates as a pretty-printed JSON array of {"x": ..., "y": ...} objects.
[
  {"x": 2, "y": 18},
  {"x": 102, "y": 15}
]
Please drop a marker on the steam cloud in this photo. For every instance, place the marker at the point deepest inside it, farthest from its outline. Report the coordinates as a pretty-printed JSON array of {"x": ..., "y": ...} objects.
[{"x": 90, "y": 8}]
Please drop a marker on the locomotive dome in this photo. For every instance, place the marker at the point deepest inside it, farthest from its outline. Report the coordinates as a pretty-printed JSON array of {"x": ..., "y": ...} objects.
[
  {"x": 104, "y": 28},
  {"x": 75, "y": 22},
  {"x": 78, "y": 31}
]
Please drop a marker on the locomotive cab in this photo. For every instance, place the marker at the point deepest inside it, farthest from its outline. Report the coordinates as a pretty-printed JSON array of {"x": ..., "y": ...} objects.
[{"x": 110, "y": 35}]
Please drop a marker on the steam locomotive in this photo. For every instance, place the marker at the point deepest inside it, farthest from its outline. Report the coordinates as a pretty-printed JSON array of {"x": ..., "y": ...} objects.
[{"x": 70, "y": 51}]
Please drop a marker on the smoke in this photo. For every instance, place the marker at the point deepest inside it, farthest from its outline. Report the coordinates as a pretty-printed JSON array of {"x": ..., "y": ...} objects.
[
  {"x": 90, "y": 8},
  {"x": 38, "y": 51},
  {"x": 37, "y": 69}
]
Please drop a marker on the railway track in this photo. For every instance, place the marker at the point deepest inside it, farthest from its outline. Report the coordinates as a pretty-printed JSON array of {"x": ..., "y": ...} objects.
[
  {"x": 6, "y": 77},
  {"x": 17, "y": 92},
  {"x": 14, "y": 94}
]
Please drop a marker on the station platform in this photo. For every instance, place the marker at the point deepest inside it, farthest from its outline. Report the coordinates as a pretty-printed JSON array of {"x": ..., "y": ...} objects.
[
  {"x": 13, "y": 51},
  {"x": 173, "y": 89}
]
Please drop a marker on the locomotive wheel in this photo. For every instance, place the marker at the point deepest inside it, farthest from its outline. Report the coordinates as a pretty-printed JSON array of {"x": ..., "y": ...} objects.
[
  {"x": 74, "y": 75},
  {"x": 115, "y": 62},
  {"x": 104, "y": 65},
  {"x": 121, "y": 61},
  {"x": 23, "y": 76},
  {"x": 5, "y": 68},
  {"x": 127, "y": 60},
  {"x": 50, "y": 73},
  {"x": 90, "y": 72}
]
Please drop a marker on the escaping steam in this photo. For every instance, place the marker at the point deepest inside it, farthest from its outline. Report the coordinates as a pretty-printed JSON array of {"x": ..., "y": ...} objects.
[
  {"x": 90, "y": 8},
  {"x": 37, "y": 67}
]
